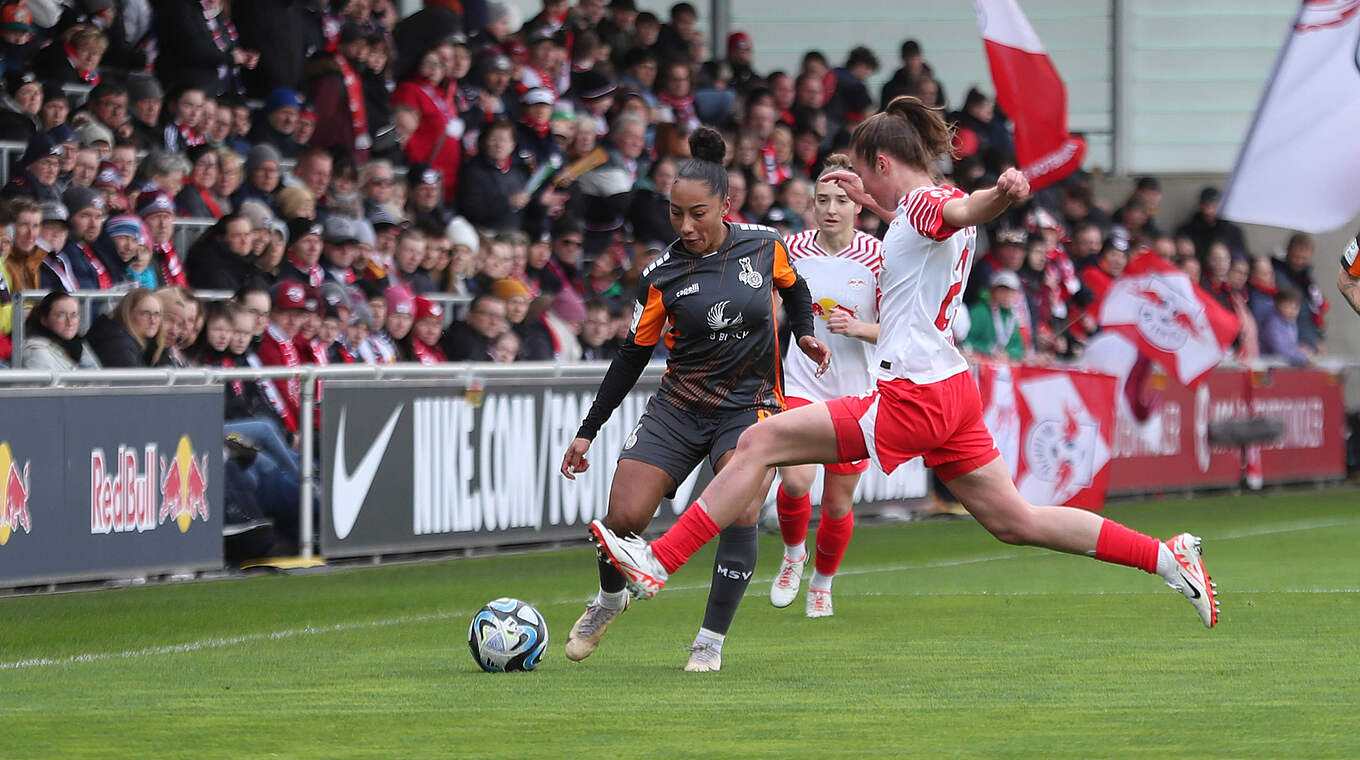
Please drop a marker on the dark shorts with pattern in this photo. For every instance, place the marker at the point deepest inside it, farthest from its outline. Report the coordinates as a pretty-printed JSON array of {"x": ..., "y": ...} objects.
[{"x": 676, "y": 440}]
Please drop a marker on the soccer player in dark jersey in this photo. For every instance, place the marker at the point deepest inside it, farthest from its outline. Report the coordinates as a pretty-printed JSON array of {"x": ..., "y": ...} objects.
[{"x": 715, "y": 288}]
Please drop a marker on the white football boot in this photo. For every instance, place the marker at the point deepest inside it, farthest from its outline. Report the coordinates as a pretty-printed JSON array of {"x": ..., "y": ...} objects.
[
  {"x": 785, "y": 587},
  {"x": 1192, "y": 579},
  {"x": 819, "y": 603},
  {"x": 633, "y": 557},
  {"x": 589, "y": 629},
  {"x": 703, "y": 658}
]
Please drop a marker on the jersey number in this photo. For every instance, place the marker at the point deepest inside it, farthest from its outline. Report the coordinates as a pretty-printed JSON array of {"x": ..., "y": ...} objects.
[{"x": 942, "y": 319}]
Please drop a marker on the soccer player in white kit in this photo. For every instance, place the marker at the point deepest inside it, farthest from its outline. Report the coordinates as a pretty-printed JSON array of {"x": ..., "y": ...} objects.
[
  {"x": 841, "y": 265},
  {"x": 926, "y": 404}
]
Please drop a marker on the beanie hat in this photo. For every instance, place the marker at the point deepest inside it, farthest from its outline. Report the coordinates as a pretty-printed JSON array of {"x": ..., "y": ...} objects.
[
  {"x": 126, "y": 225},
  {"x": 281, "y": 97},
  {"x": 301, "y": 227},
  {"x": 40, "y": 146},
  {"x": 461, "y": 232},
  {"x": 427, "y": 309},
  {"x": 400, "y": 300},
  {"x": 143, "y": 86},
  {"x": 78, "y": 198},
  {"x": 108, "y": 176},
  {"x": 154, "y": 203},
  {"x": 261, "y": 154}
]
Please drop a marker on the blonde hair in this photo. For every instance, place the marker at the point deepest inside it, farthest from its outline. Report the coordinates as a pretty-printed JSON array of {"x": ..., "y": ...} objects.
[
  {"x": 291, "y": 200},
  {"x": 123, "y": 314},
  {"x": 836, "y": 162}
]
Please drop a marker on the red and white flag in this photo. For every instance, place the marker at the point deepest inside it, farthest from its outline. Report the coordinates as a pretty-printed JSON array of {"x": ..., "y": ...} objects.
[
  {"x": 1030, "y": 92},
  {"x": 1170, "y": 319},
  {"x": 1298, "y": 165}
]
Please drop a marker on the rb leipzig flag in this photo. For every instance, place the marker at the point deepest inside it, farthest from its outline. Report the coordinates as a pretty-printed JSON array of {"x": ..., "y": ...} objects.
[
  {"x": 1030, "y": 92},
  {"x": 1298, "y": 166},
  {"x": 1170, "y": 319}
]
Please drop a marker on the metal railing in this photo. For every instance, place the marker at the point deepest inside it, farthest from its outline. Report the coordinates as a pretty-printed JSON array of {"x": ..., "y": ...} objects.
[
  {"x": 308, "y": 375},
  {"x": 86, "y": 299},
  {"x": 188, "y": 229}
]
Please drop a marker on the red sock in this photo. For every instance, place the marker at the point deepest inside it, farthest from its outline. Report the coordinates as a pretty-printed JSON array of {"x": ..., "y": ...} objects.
[
  {"x": 1125, "y": 546},
  {"x": 832, "y": 538},
  {"x": 794, "y": 514},
  {"x": 687, "y": 536}
]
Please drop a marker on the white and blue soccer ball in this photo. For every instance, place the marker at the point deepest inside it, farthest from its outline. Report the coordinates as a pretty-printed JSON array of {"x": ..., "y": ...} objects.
[{"x": 508, "y": 635}]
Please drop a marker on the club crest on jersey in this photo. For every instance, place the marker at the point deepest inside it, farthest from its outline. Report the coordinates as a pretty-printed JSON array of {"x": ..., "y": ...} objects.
[
  {"x": 721, "y": 325},
  {"x": 857, "y": 283},
  {"x": 688, "y": 290},
  {"x": 748, "y": 275}
]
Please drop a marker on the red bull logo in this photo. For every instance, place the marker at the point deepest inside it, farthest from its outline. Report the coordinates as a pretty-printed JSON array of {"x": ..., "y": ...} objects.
[
  {"x": 825, "y": 307},
  {"x": 132, "y": 498},
  {"x": 14, "y": 496},
  {"x": 184, "y": 486},
  {"x": 1166, "y": 318}
]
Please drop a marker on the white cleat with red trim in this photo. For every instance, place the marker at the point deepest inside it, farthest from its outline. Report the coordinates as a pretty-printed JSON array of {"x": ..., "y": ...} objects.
[
  {"x": 785, "y": 587},
  {"x": 1192, "y": 579},
  {"x": 819, "y": 603},
  {"x": 633, "y": 557}
]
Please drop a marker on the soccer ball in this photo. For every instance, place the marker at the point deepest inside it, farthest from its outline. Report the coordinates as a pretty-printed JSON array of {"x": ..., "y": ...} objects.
[{"x": 508, "y": 635}]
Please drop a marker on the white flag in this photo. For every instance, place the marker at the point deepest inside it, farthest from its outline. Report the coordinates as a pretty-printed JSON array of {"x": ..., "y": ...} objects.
[{"x": 1299, "y": 166}]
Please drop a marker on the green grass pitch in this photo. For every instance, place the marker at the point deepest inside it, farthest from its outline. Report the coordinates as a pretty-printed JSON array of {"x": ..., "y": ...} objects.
[{"x": 945, "y": 644}]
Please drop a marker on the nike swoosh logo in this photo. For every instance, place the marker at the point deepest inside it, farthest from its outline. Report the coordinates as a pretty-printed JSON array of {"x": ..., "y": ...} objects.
[
  {"x": 348, "y": 491},
  {"x": 1190, "y": 585}
]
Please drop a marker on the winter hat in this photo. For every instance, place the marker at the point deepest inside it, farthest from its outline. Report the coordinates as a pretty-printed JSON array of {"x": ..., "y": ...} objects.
[
  {"x": 567, "y": 305},
  {"x": 363, "y": 232},
  {"x": 290, "y": 295},
  {"x": 313, "y": 302},
  {"x": 334, "y": 294},
  {"x": 508, "y": 288},
  {"x": 77, "y": 199},
  {"x": 400, "y": 300},
  {"x": 281, "y": 97},
  {"x": 92, "y": 132},
  {"x": 16, "y": 18},
  {"x": 461, "y": 232},
  {"x": 54, "y": 211},
  {"x": 261, "y": 154},
  {"x": 126, "y": 225},
  {"x": 301, "y": 227},
  {"x": 62, "y": 133},
  {"x": 143, "y": 86},
  {"x": 154, "y": 203},
  {"x": 40, "y": 146},
  {"x": 15, "y": 80},
  {"x": 359, "y": 314},
  {"x": 339, "y": 229},
  {"x": 108, "y": 176},
  {"x": 427, "y": 309},
  {"x": 257, "y": 212}
]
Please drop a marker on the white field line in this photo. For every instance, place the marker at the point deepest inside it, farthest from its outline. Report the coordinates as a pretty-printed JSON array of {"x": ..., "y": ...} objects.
[{"x": 309, "y": 630}]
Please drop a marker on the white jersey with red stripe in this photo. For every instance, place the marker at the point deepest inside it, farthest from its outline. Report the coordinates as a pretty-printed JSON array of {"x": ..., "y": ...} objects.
[
  {"x": 846, "y": 281},
  {"x": 925, "y": 267}
]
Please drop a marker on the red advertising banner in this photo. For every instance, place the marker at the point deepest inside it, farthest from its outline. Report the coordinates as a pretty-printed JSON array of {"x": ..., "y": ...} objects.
[
  {"x": 1053, "y": 427},
  {"x": 1171, "y": 449}
]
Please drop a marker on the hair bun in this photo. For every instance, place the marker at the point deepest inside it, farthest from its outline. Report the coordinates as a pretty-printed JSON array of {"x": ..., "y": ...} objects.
[{"x": 706, "y": 144}]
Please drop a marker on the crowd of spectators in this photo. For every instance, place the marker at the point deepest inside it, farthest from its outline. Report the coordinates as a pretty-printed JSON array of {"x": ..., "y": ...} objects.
[{"x": 366, "y": 165}]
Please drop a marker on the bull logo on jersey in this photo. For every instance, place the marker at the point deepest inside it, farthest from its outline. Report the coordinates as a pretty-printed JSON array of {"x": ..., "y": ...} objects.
[
  {"x": 722, "y": 326},
  {"x": 825, "y": 307},
  {"x": 748, "y": 275}
]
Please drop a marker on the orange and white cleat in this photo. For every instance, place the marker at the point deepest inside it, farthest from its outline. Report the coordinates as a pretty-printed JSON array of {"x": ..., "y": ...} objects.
[
  {"x": 1192, "y": 579},
  {"x": 633, "y": 557}
]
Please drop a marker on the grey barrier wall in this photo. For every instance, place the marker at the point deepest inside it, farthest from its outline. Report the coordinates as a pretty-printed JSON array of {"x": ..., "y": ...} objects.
[
  {"x": 109, "y": 482},
  {"x": 421, "y": 465}
]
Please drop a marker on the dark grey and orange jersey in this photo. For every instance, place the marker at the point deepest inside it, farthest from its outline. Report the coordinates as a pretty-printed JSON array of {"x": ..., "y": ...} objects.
[{"x": 716, "y": 315}]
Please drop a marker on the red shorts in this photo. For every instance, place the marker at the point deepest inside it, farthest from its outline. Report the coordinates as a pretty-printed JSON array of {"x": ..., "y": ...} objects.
[
  {"x": 901, "y": 420},
  {"x": 856, "y": 467}
]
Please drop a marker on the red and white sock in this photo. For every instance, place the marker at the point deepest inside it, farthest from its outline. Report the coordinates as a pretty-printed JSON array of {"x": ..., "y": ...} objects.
[
  {"x": 794, "y": 514},
  {"x": 687, "y": 536}
]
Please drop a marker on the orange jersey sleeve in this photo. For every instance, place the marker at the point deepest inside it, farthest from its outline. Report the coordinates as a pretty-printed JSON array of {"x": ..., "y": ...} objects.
[
  {"x": 649, "y": 318},
  {"x": 784, "y": 274}
]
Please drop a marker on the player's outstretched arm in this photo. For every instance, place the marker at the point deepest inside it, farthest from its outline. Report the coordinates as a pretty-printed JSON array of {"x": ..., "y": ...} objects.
[
  {"x": 983, "y": 206},
  {"x": 854, "y": 190}
]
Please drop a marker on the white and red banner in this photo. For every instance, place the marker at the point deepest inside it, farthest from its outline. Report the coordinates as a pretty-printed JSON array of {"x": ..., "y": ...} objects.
[
  {"x": 1298, "y": 164},
  {"x": 1030, "y": 92},
  {"x": 1054, "y": 427},
  {"x": 1170, "y": 320}
]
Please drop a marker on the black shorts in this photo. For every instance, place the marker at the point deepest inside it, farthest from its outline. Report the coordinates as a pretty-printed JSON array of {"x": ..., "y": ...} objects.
[{"x": 677, "y": 441}]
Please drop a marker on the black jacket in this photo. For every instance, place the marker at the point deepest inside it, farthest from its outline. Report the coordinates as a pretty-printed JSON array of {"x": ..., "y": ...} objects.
[
  {"x": 279, "y": 30},
  {"x": 461, "y": 343},
  {"x": 263, "y": 132},
  {"x": 115, "y": 346},
  {"x": 211, "y": 266},
  {"x": 188, "y": 55},
  {"x": 484, "y": 193},
  {"x": 417, "y": 33}
]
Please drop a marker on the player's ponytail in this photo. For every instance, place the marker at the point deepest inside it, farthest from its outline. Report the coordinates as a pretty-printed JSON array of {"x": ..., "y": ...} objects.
[
  {"x": 908, "y": 130},
  {"x": 708, "y": 151}
]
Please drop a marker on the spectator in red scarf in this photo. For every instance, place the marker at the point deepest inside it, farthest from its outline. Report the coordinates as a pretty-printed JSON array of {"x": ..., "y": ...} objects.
[
  {"x": 422, "y": 343},
  {"x": 278, "y": 350},
  {"x": 74, "y": 58},
  {"x": 336, "y": 93},
  {"x": 302, "y": 257},
  {"x": 1216, "y": 264},
  {"x": 158, "y": 214},
  {"x": 429, "y": 114},
  {"x": 675, "y": 94},
  {"x": 196, "y": 198},
  {"x": 184, "y": 122}
]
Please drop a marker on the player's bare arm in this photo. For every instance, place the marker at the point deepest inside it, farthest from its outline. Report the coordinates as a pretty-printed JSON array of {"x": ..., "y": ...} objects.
[
  {"x": 1349, "y": 287},
  {"x": 983, "y": 206},
  {"x": 844, "y": 324}
]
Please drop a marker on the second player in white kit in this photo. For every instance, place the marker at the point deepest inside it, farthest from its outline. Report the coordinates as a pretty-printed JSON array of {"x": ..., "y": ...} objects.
[{"x": 842, "y": 267}]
